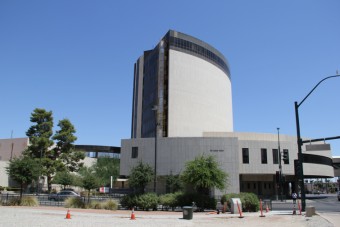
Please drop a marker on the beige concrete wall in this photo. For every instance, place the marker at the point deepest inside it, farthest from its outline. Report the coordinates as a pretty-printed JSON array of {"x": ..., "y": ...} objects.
[
  {"x": 200, "y": 97},
  {"x": 255, "y": 141},
  {"x": 336, "y": 160},
  {"x": 3, "y": 174},
  {"x": 10, "y": 148},
  {"x": 173, "y": 153}
]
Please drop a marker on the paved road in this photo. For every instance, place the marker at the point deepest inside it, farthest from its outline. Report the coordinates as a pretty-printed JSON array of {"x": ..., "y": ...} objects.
[
  {"x": 325, "y": 203},
  {"x": 328, "y": 207},
  {"x": 53, "y": 216}
]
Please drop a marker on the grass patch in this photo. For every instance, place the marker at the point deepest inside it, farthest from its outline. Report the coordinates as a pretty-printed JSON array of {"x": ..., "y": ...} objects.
[
  {"x": 96, "y": 205},
  {"x": 29, "y": 201},
  {"x": 74, "y": 202},
  {"x": 110, "y": 205}
]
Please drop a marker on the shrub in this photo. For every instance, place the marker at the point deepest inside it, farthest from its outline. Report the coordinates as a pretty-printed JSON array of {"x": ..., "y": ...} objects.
[
  {"x": 15, "y": 201},
  {"x": 110, "y": 205},
  {"x": 148, "y": 201},
  {"x": 226, "y": 199},
  {"x": 202, "y": 201},
  {"x": 249, "y": 201},
  {"x": 169, "y": 200},
  {"x": 129, "y": 201},
  {"x": 24, "y": 201},
  {"x": 29, "y": 201},
  {"x": 96, "y": 205},
  {"x": 143, "y": 201},
  {"x": 74, "y": 202}
]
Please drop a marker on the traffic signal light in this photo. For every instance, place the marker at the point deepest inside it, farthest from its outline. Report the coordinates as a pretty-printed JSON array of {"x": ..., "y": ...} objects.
[
  {"x": 285, "y": 157},
  {"x": 277, "y": 176},
  {"x": 297, "y": 168},
  {"x": 283, "y": 178}
]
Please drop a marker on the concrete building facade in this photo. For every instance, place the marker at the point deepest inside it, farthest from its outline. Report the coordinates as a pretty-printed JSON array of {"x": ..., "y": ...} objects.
[
  {"x": 182, "y": 90},
  {"x": 14, "y": 147},
  {"x": 180, "y": 77},
  {"x": 250, "y": 159}
]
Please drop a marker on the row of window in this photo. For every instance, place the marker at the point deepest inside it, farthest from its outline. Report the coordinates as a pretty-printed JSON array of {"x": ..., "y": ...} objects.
[
  {"x": 195, "y": 48},
  {"x": 264, "y": 156},
  {"x": 255, "y": 185},
  {"x": 245, "y": 155}
]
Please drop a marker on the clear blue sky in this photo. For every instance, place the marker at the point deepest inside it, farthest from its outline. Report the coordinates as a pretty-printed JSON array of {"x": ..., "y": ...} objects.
[{"x": 76, "y": 59}]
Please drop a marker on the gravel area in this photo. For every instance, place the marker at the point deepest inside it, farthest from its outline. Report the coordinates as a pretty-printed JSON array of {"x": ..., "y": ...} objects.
[{"x": 53, "y": 216}]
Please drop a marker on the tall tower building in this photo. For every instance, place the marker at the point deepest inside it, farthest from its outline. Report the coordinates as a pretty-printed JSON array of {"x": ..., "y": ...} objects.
[
  {"x": 182, "y": 109},
  {"x": 182, "y": 88}
]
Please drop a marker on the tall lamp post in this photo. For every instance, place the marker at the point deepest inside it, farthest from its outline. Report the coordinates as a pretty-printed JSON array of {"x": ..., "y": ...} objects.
[
  {"x": 155, "y": 108},
  {"x": 300, "y": 142},
  {"x": 280, "y": 164}
]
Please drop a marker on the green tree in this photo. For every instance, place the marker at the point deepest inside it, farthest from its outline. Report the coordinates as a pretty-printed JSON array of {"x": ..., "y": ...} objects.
[
  {"x": 203, "y": 173},
  {"x": 40, "y": 133},
  {"x": 40, "y": 140},
  {"x": 89, "y": 180},
  {"x": 173, "y": 183},
  {"x": 23, "y": 170},
  {"x": 105, "y": 168},
  {"x": 64, "y": 178},
  {"x": 140, "y": 176},
  {"x": 52, "y": 160},
  {"x": 65, "y": 149}
]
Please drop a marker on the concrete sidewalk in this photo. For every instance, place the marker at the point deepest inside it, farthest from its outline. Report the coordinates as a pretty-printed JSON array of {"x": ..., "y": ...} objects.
[{"x": 52, "y": 216}]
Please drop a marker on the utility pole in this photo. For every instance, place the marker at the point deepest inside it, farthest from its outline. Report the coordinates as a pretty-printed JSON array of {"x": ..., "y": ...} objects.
[
  {"x": 280, "y": 164},
  {"x": 155, "y": 109},
  {"x": 300, "y": 143}
]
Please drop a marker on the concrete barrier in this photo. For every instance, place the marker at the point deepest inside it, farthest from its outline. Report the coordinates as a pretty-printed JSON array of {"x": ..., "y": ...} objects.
[
  {"x": 234, "y": 207},
  {"x": 310, "y": 211}
]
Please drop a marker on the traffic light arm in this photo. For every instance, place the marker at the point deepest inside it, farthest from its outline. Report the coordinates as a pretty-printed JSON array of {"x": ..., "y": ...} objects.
[
  {"x": 300, "y": 143},
  {"x": 321, "y": 139}
]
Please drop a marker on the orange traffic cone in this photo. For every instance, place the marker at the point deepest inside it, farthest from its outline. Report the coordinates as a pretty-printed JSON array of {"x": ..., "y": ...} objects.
[
  {"x": 68, "y": 214},
  {"x": 133, "y": 217},
  {"x": 262, "y": 215}
]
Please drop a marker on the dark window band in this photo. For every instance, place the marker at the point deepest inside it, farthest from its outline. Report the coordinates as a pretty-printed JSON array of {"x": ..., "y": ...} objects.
[
  {"x": 200, "y": 51},
  {"x": 317, "y": 159}
]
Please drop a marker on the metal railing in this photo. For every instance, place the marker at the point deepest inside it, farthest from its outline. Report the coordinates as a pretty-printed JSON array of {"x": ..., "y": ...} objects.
[{"x": 43, "y": 199}]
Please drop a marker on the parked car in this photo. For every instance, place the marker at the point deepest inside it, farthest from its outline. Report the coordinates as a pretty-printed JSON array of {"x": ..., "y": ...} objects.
[
  {"x": 317, "y": 192},
  {"x": 62, "y": 195},
  {"x": 339, "y": 195}
]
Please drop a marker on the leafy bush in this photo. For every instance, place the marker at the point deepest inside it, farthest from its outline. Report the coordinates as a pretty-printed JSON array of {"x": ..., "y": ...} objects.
[
  {"x": 202, "y": 201},
  {"x": 249, "y": 201},
  {"x": 147, "y": 201},
  {"x": 227, "y": 197},
  {"x": 74, "y": 202},
  {"x": 129, "y": 201},
  {"x": 110, "y": 205},
  {"x": 29, "y": 201},
  {"x": 143, "y": 201},
  {"x": 169, "y": 200}
]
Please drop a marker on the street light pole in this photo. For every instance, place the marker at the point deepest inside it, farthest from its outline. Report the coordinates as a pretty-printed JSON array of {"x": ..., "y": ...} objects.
[
  {"x": 300, "y": 159},
  {"x": 155, "y": 108},
  {"x": 280, "y": 164},
  {"x": 299, "y": 143}
]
